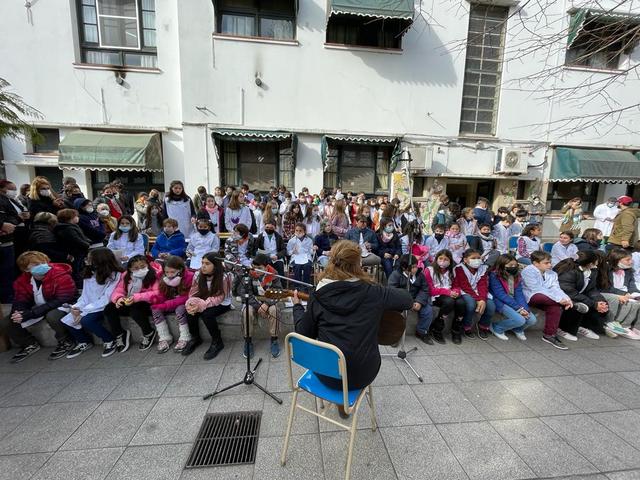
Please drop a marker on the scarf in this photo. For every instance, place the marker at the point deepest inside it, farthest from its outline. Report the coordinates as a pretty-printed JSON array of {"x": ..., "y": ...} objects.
[
  {"x": 474, "y": 278},
  {"x": 387, "y": 237}
]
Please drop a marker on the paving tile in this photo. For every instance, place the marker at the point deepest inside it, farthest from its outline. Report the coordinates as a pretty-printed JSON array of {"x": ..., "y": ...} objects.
[
  {"x": 8, "y": 381},
  {"x": 194, "y": 380},
  {"x": 92, "y": 385},
  {"x": 476, "y": 346},
  {"x": 21, "y": 467},
  {"x": 34, "y": 363},
  {"x": 513, "y": 344},
  {"x": 261, "y": 349},
  {"x": 240, "y": 472},
  {"x": 461, "y": 368},
  {"x": 79, "y": 464},
  {"x": 38, "y": 389},
  {"x": 234, "y": 372},
  {"x": 278, "y": 376},
  {"x": 396, "y": 406},
  {"x": 539, "y": 398},
  {"x": 632, "y": 376},
  {"x": 426, "y": 368},
  {"x": 536, "y": 364},
  {"x": 446, "y": 403},
  {"x": 628, "y": 475},
  {"x": 605, "y": 450},
  {"x": 144, "y": 382},
  {"x": 499, "y": 366},
  {"x": 483, "y": 453},
  {"x": 411, "y": 448},
  {"x": 48, "y": 428},
  {"x": 391, "y": 371},
  {"x": 608, "y": 358},
  {"x": 304, "y": 458},
  {"x": 172, "y": 420},
  {"x": 370, "y": 457},
  {"x": 448, "y": 348},
  {"x": 583, "y": 395},
  {"x": 12, "y": 417},
  {"x": 541, "y": 448},
  {"x": 573, "y": 361},
  {"x": 249, "y": 402},
  {"x": 616, "y": 386},
  {"x": 89, "y": 359},
  {"x": 155, "y": 359},
  {"x": 631, "y": 356},
  {"x": 275, "y": 416},
  {"x": 112, "y": 424},
  {"x": 493, "y": 401},
  {"x": 129, "y": 359},
  {"x": 156, "y": 462},
  {"x": 624, "y": 424},
  {"x": 196, "y": 357}
]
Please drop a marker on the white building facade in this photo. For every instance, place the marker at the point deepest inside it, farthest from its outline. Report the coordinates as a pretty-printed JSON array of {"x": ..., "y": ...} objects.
[{"x": 321, "y": 93}]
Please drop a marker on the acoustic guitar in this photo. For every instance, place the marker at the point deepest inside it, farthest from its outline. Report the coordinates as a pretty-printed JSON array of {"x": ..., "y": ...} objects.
[{"x": 282, "y": 294}]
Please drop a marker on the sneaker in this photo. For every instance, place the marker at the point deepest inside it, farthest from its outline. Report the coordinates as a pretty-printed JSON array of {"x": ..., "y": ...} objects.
[
  {"x": 163, "y": 346},
  {"x": 456, "y": 338},
  {"x": 635, "y": 330},
  {"x": 248, "y": 350},
  {"x": 123, "y": 341},
  {"x": 179, "y": 347},
  {"x": 483, "y": 333},
  {"x": 616, "y": 328},
  {"x": 469, "y": 333},
  {"x": 213, "y": 350},
  {"x": 555, "y": 342},
  {"x": 61, "y": 350},
  {"x": 425, "y": 337},
  {"x": 191, "y": 346},
  {"x": 438, "y": 338},
  {"x": 275, "y": 349},
  {"x": 631, "y": 335},
  {"x": 585, "y": 332},
  {"x": 501, "y": 336},
  {"x": 79, "y": 349},
  {"x": 520, "y": 336},
  {"x": 109, "y": 349},
  {"x": 25, "y": 352},
  {"x": 566, "y": 335},
  {"x": 581, "y": 307},
  {"x": 147, "y": 341},
  {"x": 610, "y": 333}
]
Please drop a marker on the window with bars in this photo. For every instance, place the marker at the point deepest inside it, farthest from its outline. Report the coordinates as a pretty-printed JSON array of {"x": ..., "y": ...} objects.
[
  {"x": 358, "y": 168},
  {"x": 118, "y": 32},
  {"x": 483, "y": 69},
  {"x": 275, "y": 19},
  {"x": 360, "y": 31}
]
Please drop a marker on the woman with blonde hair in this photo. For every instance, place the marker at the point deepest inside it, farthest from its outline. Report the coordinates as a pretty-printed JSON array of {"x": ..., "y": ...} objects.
[
  {"x": 345, "y": 310},
  {"x": 42, "y": 198},
  {"x": 339, "y": 220}
]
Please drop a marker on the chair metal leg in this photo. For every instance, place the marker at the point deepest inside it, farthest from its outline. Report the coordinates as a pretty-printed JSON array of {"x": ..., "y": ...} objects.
[
  {"x": 292, "y": 412},
  {"x": 352, "y": 437},
  {"x": 372, "y": 410}
]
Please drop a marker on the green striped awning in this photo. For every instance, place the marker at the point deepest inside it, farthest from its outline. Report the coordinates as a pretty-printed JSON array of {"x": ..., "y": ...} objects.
[
  {"x": 400, "y": 9},
  {"x": 237, "y": 135},
  {"x": 328, "y": 158},
  {"x": 594, "y": 165},
  {"x": 93, "y": 150},
  {"x": 581, "y": 16}
]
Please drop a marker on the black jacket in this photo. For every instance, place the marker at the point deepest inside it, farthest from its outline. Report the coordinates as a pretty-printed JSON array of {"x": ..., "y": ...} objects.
[
  {"x": 572, "y": 281},
  {"x": 583, "y": 245},
  {"x": 628, "y": 281},
  {"x": 281, "y": 247},
  {"x": 392, "y": 247},
  {"x": 419, "y": 289},
  {"x": 92, "y": 227},
  {"x": 43, "y": 240},
  {"x": 71, "y": 239},
  {"x": 9, "y": 215},
  {"x": 45, "y": 204},
  {"x": 347, "y": 315}
]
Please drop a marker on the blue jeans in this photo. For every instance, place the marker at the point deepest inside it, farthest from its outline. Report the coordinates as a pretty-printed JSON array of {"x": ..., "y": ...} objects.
[
  {"x": 93, "y": 323},
  {"x": 302, "y": 273},
  {"x": 425, "y": 317},
  {"x": 513, "y": 321},
  {"x": 485, "y": 319},
  {"x": 387, "y": 265}
]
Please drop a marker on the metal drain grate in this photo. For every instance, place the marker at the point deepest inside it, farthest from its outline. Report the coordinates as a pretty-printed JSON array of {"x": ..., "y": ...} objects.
[{"x": 226, "y": 439}]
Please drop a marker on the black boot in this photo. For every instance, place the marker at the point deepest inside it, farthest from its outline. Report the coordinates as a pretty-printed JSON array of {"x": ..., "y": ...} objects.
[
  {"x": 213, "y": 351},
  {"x": 425, "y": 337},
  {"x": 438, "y": 337},
  {"x": 456, "y": 331}
]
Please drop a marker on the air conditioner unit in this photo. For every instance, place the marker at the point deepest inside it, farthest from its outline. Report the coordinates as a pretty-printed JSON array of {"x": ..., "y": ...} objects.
[
  {"x": 421, "y": 158},
  {"x": 512, "y": 161}
]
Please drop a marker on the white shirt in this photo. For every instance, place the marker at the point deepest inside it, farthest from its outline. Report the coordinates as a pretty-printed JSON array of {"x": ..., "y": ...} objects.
[
  {"x": 602, "y": 212},
  {"x": 129, "y": 249},
  {"x": 559, "y": 252},
  {"x": 534, "y": 282}
]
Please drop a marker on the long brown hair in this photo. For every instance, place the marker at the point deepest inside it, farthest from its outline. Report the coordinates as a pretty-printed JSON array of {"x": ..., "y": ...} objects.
[
  {"x": 103, "y": 264},
  {"x": 217, "y": 279},
  {"x": 345, "y": 262},
  {"x": 36, "y": 186},
  {"x": 234, "y": 202},
  {"x": 610, "y": 264},
  {"x": 132, "y": 234},
  {"x": 173, "y": 261}
]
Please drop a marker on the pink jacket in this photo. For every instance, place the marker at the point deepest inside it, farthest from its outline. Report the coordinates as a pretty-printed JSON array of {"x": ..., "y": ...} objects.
[
  {"x": 144, "y": 295},
  {"x": 164, "y": 304},
  {"x": 202, "y": 304}
]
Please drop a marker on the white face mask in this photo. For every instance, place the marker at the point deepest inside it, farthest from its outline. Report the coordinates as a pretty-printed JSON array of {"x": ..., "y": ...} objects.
[
  {"x": 104, "y": 213},
  {"x": 140, "y": 273},
  {"x": 623, "y": 266},
  {"x": 89, "y": 209},
  {"x": 45, "y": 192},
  {"x": 475, "y": 262},
  {"x": 12, "y": 193}
]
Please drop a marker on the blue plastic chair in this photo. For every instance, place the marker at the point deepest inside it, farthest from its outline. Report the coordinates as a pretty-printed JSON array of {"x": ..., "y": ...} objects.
[
  {"x": 324, "y": 359},
  {"x": 547, "y": 246},
  {"x": 513, "y": 243}
]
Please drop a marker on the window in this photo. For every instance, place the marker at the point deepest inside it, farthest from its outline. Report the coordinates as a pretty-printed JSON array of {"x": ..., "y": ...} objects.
[
  {"x": 118, "y": 32},
  {"x": 358, "y": 168},
  {"x": 274, "y": 19},
  {"x": 261, "y": 165},
  {"x": 134, "y": 182},
  {"x": 53, "y": 174},
  {"x": 561, "y": 192},
  {"x": 600, "y": 41},
  {"x": 483, "y": 69},
  {"x": 362, "y": 31},
  {"x": 49, "y": 141}
]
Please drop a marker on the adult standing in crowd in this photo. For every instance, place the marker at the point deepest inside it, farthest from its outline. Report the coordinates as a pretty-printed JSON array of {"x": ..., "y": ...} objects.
[
  {"x": 605, "y": 213},
  {"x": 42, "y": 198},
  {"x": 625, "y": 225},
  {"x": 116, "y": 208},
  {"x": 70, "y": 193},
  {"x": 9, "y": 219},
  {"x": 178, "y": 205},
  {"x": 573, "y": 216},
  {"x": 15, "y": 208},
  {"x": 124, "y": 197}
]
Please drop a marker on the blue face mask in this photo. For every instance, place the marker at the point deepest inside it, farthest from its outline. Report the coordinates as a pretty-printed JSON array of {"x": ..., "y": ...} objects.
[
  {"x": 40, "y": 270},
  {"x": 124, "y": 229}
]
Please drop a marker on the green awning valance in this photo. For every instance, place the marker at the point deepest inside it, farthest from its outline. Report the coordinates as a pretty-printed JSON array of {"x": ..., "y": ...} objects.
[
  {"x": 592, "y": 165},
  {"x": 328, "y": 157},
  {"x": 401, "y": 9},
  {"x": 581, "y": 16},
  {"x": 252, "y": 135},
  {"x": 92, "y": 150}
]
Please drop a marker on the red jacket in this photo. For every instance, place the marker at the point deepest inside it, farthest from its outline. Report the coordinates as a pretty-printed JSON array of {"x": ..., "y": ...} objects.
[
  {"x": 460, "y": 281},
  {"x": 437, "y": 291},
  {"x": 58, "y": 287},
  {"x": 164, "y": 304}
]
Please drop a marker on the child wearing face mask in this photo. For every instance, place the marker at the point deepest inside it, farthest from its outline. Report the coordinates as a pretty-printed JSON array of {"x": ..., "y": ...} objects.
[
  {"x": 72, "y": 240},
  {"x": 617, "y": 285},
  {"x": 488, "y": 245},
  {"x": 389, "y": 248},
  {"x": 437, "y": 242},
  {"x": 153, "y": 220},
  {"x": 173, "y": 292},
  {"x": 133, "y": 295},
  {"x": 446, "y": 297},
  {"x": 468, "y": 224},
  {"x": 214, "y": 212},
  {"x": 323, "y": 242},
  {"x": 170, "y": 241},
  {"x": 300, "y": 249},
  {"x": 89, "y": 222},
  {"x": 126, "y": 239},
  {"x": 505, "y": 285},
  {"x": 472, "y": 279},
  {"x": 239, "y": 247},
  {"x": 528, "y": 242},
  {"x": 271, "y": 244},
  {"x": 457, "y": 242},
  {"x": 312, "y": 221},
  {"x": 271, "y": 215},
  {"x": 502, "y": 232},
  {"x": 202, "y": 241}
]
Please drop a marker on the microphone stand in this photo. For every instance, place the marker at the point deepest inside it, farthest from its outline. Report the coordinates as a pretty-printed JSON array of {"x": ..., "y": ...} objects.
[
  {"x": 249, "y": 375},
  {"x": 402, "y": 353}
]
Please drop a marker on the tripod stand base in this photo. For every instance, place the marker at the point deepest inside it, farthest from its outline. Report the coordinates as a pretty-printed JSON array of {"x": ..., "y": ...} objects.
[
  {"x": 402, "y": 355},
  {"x": 249, "y": 379}
]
